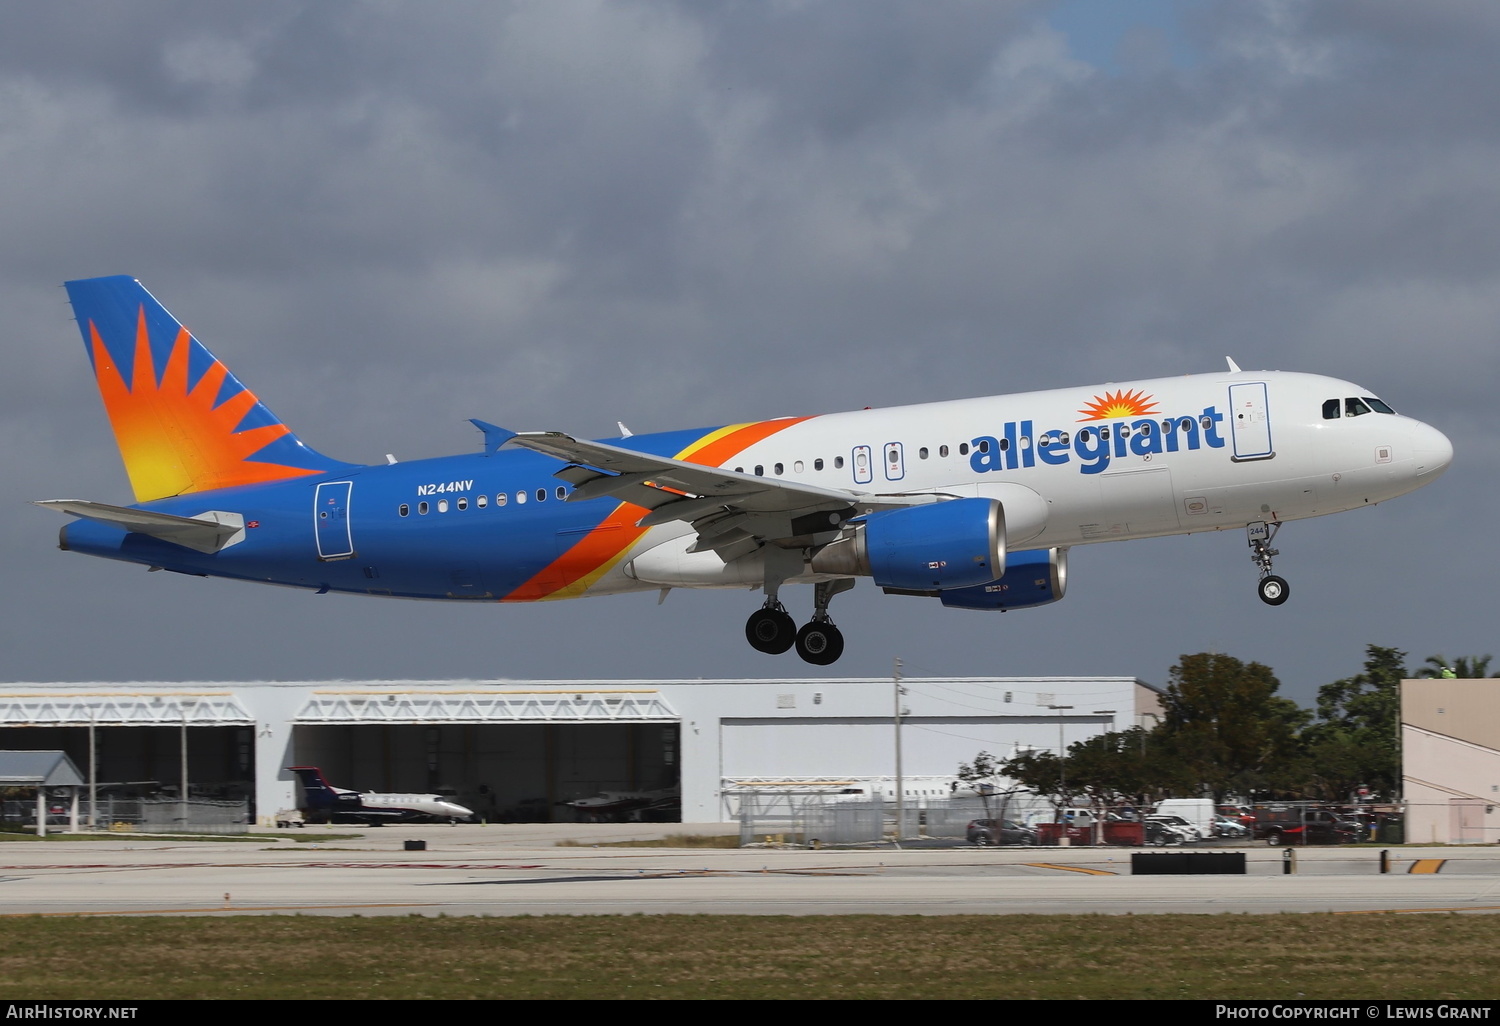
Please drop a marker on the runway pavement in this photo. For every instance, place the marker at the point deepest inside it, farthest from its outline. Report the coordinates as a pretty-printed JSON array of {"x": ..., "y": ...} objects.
[{"x": 499, "y": 871}]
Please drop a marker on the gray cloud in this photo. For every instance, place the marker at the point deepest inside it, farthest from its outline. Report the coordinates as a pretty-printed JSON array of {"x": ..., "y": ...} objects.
[{"x": 390, "y": 217}]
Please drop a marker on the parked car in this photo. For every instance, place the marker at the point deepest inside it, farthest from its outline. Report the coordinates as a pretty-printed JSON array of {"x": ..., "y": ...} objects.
[
  {"x": 1161, "y": 834},
  {"x": 983, "y": 832},
  {"x": 1241, "y": 814},
  {"x": 1186, "y": 830},
  {"x": 1225, "y": 826},
  {"x": 1278, "y": 826}
]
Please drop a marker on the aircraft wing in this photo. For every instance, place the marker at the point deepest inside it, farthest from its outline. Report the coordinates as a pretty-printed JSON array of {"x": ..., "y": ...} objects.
[{"x": 727, "y": 509}]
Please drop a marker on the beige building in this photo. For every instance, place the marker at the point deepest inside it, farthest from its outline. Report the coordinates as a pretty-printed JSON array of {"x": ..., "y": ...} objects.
[{"x": 1450, "y": 760}]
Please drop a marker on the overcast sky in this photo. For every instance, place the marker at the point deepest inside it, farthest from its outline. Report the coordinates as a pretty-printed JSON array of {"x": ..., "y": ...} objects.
[{"x": 389, "y": 217}]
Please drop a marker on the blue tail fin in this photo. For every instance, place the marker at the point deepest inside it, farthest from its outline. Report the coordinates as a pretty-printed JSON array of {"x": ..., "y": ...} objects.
[{"x": 320, "y": 795}]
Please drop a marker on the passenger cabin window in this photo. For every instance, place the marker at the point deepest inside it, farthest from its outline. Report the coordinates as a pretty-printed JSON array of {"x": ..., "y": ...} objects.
[
  {"x": 422, "y": 508},
  {"x": 963, "y": 448},
  {"x": 922, "y": 453},
  {"x": 541, "y": 495},
  {"x": 838, "y": 463},
  {"x": 561, "y": 492},
  {"x": 780, "y": 469},
  {"x": 943, "y": 451},
  {"x": 818, "y": 463},
  {"x": 463, "y": 503},
  {"x": 405, "y": 510},
  {"x": 501, "y": 498},
  {"x": 482, "y": 501}
]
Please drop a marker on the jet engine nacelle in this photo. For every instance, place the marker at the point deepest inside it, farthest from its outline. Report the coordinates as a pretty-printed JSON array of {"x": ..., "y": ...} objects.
[
  {"x": 952, "y": 544},
  {"x": 1032, "y": 578}
]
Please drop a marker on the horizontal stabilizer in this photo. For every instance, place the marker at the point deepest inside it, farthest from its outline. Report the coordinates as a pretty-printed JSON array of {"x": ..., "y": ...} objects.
[{"x": 206, "y": 532}]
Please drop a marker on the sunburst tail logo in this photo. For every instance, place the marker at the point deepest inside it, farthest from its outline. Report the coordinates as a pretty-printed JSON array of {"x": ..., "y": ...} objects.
[
  {"x": 1114, "y": 405},
  {"x": 182, "y": 421}
]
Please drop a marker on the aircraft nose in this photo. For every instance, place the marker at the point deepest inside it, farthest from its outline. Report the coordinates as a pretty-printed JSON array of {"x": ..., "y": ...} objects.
[{"x": 1434, "y": 452}]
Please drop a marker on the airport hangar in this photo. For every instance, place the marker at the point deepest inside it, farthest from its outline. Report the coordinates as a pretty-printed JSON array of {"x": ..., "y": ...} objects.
[{"x": 515, "y": 750}]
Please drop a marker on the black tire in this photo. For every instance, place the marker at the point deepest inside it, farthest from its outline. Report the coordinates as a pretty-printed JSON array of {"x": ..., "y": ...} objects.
[
  {"x": 1273, "y": 590},
  {"x": 1274, "y": 838},
  {"x": 770, "y": 631},
  {"x": 983, "y": 840},
  {"x": 820, "y": 643}
]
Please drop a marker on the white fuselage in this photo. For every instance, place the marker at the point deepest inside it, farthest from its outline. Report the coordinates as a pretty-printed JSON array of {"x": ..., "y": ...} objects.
[{"x": 1080, "y": 465}]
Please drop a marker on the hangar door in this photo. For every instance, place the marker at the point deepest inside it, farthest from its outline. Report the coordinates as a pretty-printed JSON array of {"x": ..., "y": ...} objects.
[{"x": 509, "y": 755}]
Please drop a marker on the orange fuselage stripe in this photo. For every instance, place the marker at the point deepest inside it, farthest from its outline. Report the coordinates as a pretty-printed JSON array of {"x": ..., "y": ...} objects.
[{"x": 594, "y": 555}]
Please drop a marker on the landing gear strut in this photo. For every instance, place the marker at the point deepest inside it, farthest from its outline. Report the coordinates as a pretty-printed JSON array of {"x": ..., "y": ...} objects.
[
  {"x": 819, "y": 642},
  {"x": 1273, "y": 590},
  {"x": 771, "y": 629}
]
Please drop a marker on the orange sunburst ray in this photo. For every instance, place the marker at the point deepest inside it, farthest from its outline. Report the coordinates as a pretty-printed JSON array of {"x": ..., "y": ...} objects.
[
  {"x": 1113, "y": 405},
  {"x": 173, "y": 438}
]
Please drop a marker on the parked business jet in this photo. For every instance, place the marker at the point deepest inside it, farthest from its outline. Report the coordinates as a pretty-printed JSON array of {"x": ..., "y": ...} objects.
[
  {"x": 329, "y": 804},
  {"x": 974, "y": 502}
]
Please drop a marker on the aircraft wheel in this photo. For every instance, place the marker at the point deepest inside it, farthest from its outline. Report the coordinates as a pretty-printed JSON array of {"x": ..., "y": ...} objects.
[
  {"x": 1273, "y": 590},
  {"x": 771, "y": 631},
  {"x": 820, "y": 643}
]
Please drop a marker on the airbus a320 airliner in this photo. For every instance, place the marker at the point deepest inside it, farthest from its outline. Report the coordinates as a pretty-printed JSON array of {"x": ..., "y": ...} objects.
[{"x": 973, "y": 502}]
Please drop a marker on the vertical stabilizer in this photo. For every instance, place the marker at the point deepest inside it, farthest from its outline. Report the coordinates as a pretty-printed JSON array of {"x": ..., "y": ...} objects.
[{"x": 182, "y": 421}]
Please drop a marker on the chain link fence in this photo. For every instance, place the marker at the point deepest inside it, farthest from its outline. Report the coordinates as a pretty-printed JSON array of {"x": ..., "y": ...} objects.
[{"x": 141, "y": 815}]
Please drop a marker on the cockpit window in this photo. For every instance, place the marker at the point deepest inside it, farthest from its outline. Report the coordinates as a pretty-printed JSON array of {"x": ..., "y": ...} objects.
[
  {"x": 1355, "y": 407},
  {"x": 1377, "y": 405},
  {"x": 1331, "y": 409}
]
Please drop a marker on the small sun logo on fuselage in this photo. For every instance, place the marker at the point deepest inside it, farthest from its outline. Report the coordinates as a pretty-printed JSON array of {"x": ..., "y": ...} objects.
[{"x": 1113, "y": 405}]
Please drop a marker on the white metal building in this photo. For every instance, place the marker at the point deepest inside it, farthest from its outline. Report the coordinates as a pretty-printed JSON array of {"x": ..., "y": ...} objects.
[
  {"x": 1450, "y": 760},
  {"x": 515, "y": 749}
]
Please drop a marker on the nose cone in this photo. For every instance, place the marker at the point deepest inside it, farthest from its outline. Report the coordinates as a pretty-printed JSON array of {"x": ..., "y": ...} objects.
[{"x": 1433, "y": 452}]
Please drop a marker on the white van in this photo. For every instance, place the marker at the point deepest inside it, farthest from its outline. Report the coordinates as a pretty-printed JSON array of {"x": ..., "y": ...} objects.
[{"x": 1198, "y": 811}]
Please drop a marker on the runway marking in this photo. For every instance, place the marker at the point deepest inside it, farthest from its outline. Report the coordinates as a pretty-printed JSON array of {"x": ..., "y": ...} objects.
[
  {"x": 282, "y": 865},
  {"x": 233, "y": 909},
  {"x": 1415, "y": 911},
  {"x": 1426, "y": 865},
  {"x": 1071, "y": 869}
]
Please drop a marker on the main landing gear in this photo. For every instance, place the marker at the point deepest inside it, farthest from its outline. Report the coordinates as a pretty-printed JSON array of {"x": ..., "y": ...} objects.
[
  {"x": 1273, "y": 590},
  {"x": 772, "y": 630}
]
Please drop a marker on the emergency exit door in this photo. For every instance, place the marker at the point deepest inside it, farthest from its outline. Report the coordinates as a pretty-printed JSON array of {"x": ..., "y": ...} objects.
[
  {"x": 331, "y": 520},
  {"x": 1250, "y": 422}
]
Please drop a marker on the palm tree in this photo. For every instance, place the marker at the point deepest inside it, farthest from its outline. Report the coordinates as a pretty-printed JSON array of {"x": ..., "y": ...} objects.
[{"x": 1464, "y": 667}]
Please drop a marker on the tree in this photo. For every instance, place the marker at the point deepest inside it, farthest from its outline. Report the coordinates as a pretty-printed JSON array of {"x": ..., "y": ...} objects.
[
  {"x": 1464, "y": 667},
  {"x": 1355, "y": 741},
  {"x": 1041, "y": 772},
  {"x": 1226, "y": 727},
  {"x": 987, "y": 777}
]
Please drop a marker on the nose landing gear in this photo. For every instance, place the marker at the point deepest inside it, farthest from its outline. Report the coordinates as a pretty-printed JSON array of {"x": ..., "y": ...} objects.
[{"x": 1273, "y": 590}]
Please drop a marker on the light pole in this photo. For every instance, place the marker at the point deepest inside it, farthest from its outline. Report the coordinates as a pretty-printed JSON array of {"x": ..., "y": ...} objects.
[
  {"x": 897, "y": 691},
  {"x": 1062, "y": 753}
]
